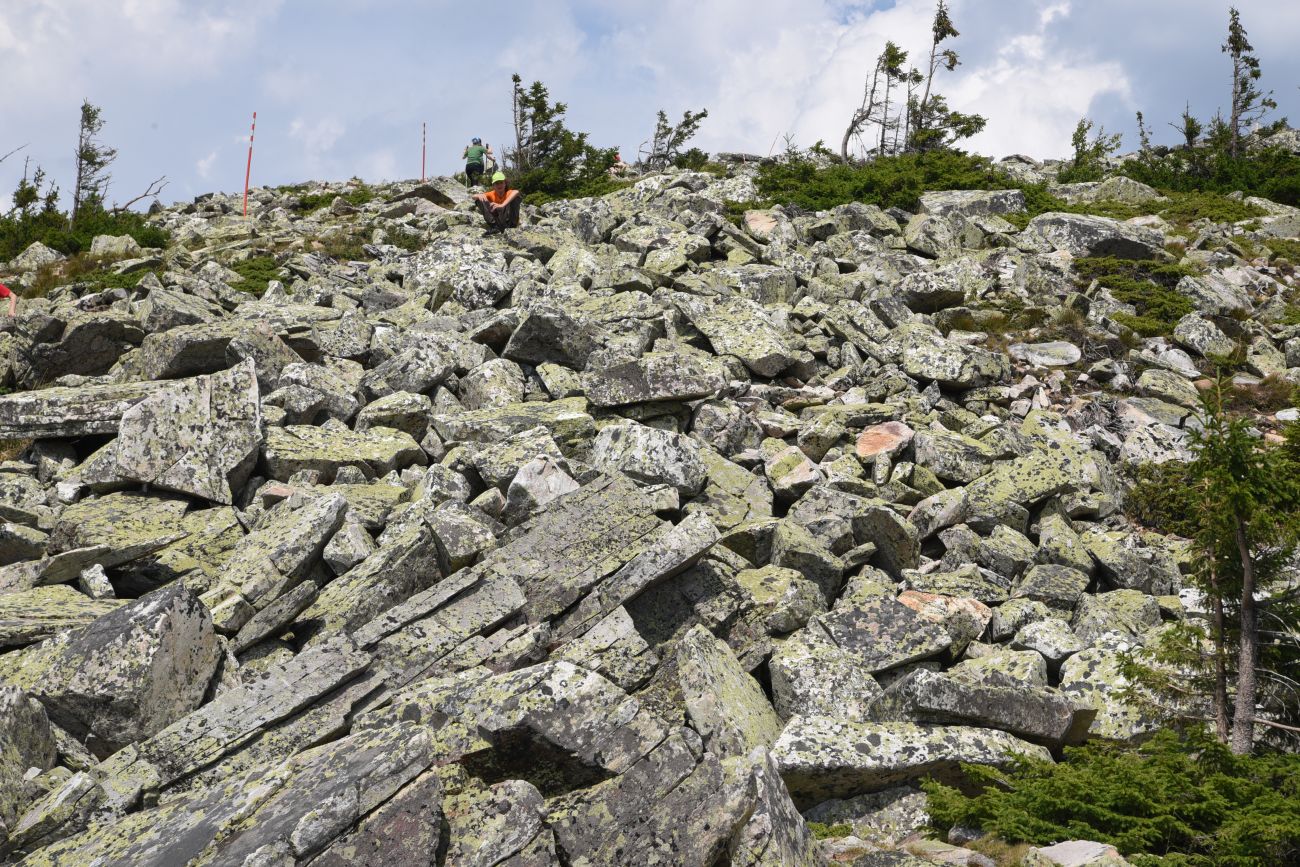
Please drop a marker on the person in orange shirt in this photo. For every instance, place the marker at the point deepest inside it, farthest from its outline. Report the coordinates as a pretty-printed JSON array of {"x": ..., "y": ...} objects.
[{"x": 499, "y": 205}]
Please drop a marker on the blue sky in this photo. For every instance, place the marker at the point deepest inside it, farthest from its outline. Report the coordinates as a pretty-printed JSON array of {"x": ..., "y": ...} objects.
[{"x": 342, "y": 86}]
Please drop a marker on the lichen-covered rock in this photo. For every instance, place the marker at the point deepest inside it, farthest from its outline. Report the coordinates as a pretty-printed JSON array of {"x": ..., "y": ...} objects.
[
  {"x": 823, "y": 757},
  {"x": 739, "y": 327},
  {"x": 881, "y": 633},
  {"x": 28, "y": 616},
  {"x": 26, "y": 742},
  {"x": 288, "y": 450},
  {"x": 725, "y": 704},
  {"x": 812, "y": 676},
  {"x": 1085, "y": 235},
  {"x": 127, "y": 675},
  {"x": 651, "y": 456},
  {"x": 200, "y": 436},
  {"x": 59, "y": 412},
  {"x": 927, "y": 356},
  {"x": 654, "y": 376}
]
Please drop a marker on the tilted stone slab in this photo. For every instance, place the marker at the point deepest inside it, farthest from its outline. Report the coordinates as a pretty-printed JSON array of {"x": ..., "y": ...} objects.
[
  {"x": 296, "y": 809},
  {"x": 305, "y": 447},
  {"x": 822, "y": 757},
  {"x": 725, "y": 704},
  {"x": 232, "y": 718},
  {"x": 29, "y": 616},
  {"x": 669, "y": 808},
  {"x": 199, "y": 436},
  {"x": 126, "y": 675},
  {"x": 1043, "y": 716},
  {"x": 566, "y": 420},
  {"x": 267, "y": 563},
  {"x": 739, "y": 327},
  {"x": 882, "y": 633},
  {"x": 65, "y": 412},
  {"x": 655, "y": 376}
]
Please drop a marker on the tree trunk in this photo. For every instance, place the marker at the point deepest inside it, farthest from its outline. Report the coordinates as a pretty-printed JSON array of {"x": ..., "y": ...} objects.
[
  {"x": 1238, "y": 73},
  {"x": 1243, "y": 715},
  {"x": 1220, "y": 665}
]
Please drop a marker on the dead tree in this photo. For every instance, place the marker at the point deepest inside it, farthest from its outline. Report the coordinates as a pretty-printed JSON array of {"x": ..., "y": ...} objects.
[{"x": 154, "y": 188}]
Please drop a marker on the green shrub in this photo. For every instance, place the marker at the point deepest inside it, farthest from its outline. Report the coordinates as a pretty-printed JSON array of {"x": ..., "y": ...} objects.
[
  {"x": 822, "y": 831},
  {"x": 1216, "y": 207},
  {"x": 257, "y": 271},
  {"x": 86, "y": 269},
  {"x": 1180, "y": 798},
  {"x": 1148, "y": 286},
  {"x": 53, "y": 229},
  {"x": 313, "y": 201},
  {"x": 1272, "y": 173},
  {"x": 1286, "y": 248},
  {"x": 893, "y": 181}
]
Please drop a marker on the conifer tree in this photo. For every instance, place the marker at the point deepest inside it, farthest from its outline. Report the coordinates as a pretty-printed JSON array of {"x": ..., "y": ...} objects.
[{"x": 1248, "y": 102}]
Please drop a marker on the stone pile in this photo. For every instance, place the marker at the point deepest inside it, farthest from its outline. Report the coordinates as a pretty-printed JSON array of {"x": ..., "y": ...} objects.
[{"x": 631, "y": 536}]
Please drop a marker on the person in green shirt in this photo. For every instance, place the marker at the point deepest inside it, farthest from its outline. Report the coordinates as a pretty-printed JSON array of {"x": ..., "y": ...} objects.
[{"x": 474, "y": 159}]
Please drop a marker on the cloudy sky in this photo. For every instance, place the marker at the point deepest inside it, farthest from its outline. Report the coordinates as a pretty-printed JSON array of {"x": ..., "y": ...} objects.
[{"x": 341, "y": 87}]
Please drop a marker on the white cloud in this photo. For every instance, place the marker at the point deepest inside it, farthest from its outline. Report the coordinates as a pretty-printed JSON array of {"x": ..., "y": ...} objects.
[{"x": 204, "y": 165}]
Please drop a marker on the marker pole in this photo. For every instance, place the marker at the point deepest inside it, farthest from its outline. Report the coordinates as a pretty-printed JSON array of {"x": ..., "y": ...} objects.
[
  {"x": 423, "y": 140},
  {"x": 248, "y": 171}
]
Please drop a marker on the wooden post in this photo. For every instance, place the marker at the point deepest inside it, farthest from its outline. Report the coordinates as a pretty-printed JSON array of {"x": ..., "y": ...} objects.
[
  {"x": 248, "y": 170},
  {"x": 423, "y": 139}
]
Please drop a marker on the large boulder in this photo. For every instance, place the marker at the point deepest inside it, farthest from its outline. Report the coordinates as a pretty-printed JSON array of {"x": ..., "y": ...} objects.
[
  {"x": 1085, "y": 235},
  {"x": 200, "y": 436},
  {"x": 127, "y": 675}
]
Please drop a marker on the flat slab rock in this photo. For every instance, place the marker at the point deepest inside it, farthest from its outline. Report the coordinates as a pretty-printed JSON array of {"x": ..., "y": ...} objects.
[
  {"x": 823, "y": 757},
  {"x": 61, "y": 412}
]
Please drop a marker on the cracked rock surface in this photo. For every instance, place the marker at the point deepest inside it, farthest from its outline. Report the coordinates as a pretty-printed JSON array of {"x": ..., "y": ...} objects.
[{"x": 630, "y": 536}]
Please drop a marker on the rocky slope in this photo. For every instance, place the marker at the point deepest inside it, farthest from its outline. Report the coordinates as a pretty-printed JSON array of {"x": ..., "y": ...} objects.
[{"x": 632, "y": 536}]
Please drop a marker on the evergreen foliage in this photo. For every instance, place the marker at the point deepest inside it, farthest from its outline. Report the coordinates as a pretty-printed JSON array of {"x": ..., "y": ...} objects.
[
  {"x": 93, "y": 160},
  {"x": 550, "y": 161},
  {"x": 668, "y": 140},
  {"x": 896, "y": 181},
  {"x": 1238, "y": 502},
  {"x": 1178, "y": 799},
  {"x": 921, "y": 120},
  {"x": 1090, "y": 154},
  {"x": 1249, "y": 104},
  {"x": 1149, "y": 286}
]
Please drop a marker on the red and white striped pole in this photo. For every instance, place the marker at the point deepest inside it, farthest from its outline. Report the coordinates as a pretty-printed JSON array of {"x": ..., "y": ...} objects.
[
  {"x": 423, "y": 139},
  {"x": 248, "y": 171}
]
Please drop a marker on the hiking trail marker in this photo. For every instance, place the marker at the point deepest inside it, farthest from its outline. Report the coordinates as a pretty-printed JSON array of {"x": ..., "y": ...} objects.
[
  {"x": 423, "y": 139},
  {"x": 248, "y": 170}
]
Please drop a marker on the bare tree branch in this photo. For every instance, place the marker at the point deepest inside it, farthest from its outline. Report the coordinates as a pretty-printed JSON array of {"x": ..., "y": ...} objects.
[
  {"x": 11, "y": 153},
  {"x": 154, "y": 189}
]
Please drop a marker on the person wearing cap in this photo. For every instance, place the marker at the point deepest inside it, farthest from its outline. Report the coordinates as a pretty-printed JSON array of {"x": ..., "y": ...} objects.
[
  {"x": 6, "y": 292},
  {"x": 473, "y": 155},
  {"x": 499, "y": 205}
]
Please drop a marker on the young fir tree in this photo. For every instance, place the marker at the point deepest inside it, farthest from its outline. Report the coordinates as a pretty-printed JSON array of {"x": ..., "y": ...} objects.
[
  {"x": 93, "y": 160},
  {"x": 1090, "y": 155},
  {"x": 1249, "y": 104},
  {"x": 931, "y": 124},
  {"x": 548, "y": 158},
  {"x": 666, "y": 145},
  {"x": 1238, "y": 502}
]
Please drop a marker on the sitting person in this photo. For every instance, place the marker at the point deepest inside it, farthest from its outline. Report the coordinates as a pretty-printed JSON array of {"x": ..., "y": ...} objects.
[{"x": 499, "y": 205}]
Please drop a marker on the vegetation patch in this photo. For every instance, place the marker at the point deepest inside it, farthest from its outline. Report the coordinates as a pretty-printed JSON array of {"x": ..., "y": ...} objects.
[
  {"x": 1149, "y": 286},
  {"x": 823, "y": 831},
  {"x": 891, "y": 181},
  {"x": 258, "y": 272},
  {"x": 1180, "y": 798},
  {"x": 313, "y": 201},
  {"x": 86, "y": 269}
]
